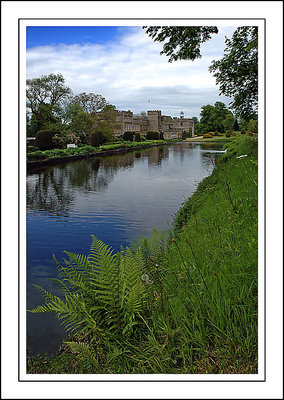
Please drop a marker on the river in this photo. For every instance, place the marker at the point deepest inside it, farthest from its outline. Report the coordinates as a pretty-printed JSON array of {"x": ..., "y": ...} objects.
[{"x": 116, "y": 198}]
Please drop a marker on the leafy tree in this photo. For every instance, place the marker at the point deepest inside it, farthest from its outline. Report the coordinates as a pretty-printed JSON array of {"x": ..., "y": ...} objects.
[
  {"x": 90, "y": 102},
  {"x": 49, "y": 89},
  {"x": 252, "y": 126},
  {"x": 196, "y": 125},
  {"x": 104, "y": 122},
  {"x": 183, "y": 41},
  {"x": 237, "y": 72},
  {"x": 82, "y": 124},
  {"x": 228, "y": 123},
  {"x": 212, "y": 117},
  {"x": 236, "y": 126}
]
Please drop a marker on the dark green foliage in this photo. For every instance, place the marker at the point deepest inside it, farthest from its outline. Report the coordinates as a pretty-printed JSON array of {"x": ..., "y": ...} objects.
[
  {"x": 43, "y": 140},
  {"x": 137, "y": 137},
  {"x": 96, "y": 139},
  {"x": 236, "y": 126},
  {"x": 152, "y": 135},
  {"x": 237, "y": 72},
  {"x": 36, "y": 156},
  {"x": 31, "y": 149},
  {"x": 181, "y": 42},
  {"x": 128, "y": 136},
  {"x": 213, "y": 117},
  {"x": 59, "y": 142}
]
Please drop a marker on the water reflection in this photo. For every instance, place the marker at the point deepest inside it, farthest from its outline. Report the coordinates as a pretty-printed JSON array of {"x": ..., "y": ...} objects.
[{"x": 116, "y": 198}]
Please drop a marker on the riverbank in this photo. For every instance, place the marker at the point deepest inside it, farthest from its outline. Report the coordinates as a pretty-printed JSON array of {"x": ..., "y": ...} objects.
[
  {"x": 59, "y": 156},
  {"x": 188, "y": 303},
  {"x": 215, "y": 139}
]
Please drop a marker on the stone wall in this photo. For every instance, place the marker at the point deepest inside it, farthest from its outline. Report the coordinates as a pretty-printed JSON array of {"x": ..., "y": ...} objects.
[{"x": 155, "y": 122}]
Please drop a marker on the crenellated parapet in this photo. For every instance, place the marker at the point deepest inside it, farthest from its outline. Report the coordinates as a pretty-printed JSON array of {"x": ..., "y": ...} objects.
[{"x": 155, "y": 122}]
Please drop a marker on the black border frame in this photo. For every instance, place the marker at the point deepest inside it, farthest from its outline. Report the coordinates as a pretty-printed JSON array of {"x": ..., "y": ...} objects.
[{"x": 19, "y": 163}]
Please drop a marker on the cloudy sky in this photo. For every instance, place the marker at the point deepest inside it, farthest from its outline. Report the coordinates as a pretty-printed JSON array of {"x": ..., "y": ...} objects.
[{"x": 124, "y": 65}]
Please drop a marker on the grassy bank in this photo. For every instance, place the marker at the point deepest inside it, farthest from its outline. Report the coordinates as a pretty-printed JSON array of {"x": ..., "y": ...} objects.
[
  {"x": 181, "y": 302},
  {"x": 87, "y": 150}
]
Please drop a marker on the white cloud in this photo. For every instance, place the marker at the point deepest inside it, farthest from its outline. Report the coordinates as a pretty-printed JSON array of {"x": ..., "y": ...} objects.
[{"x": 130, "y": 71}]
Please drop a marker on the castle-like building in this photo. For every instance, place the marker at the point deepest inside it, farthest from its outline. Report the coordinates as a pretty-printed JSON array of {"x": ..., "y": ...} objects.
[{"x": 154, "y": 121}]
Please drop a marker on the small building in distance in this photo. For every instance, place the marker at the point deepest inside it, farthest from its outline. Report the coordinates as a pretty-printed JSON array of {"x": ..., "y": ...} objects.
[{"x": 154, "y": 121}]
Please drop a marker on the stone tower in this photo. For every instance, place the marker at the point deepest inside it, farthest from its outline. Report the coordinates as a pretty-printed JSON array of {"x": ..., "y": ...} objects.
[{"x": 154, "y": 118}]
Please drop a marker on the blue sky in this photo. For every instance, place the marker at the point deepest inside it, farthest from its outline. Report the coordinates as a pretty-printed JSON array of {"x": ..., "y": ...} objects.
[
  {"x": 54, "y": 35},
  {"x": 123, "y": 64}
]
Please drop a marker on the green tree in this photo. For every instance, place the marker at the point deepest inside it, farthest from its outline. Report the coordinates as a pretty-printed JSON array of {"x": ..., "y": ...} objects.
[
  {"x": 228, "y": 123},
  {"x": 82, "y": 124},
  {"x": 212, "y": 117},
  {"x": 236, "y": 126},
  {"x": 196, "y": 125},
  {"x": 104, "y": 123},
  {"x": 49, "y": 89},
  {"x": 90, "y": 102},
  {"x": 252, "y": 126},
  {"x": 237, "y": 72},
  {"x": 183, "y": 42}
]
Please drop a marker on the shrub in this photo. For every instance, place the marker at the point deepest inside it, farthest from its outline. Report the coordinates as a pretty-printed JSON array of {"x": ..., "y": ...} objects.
[
  {"x": 96, "y": 139},
  {"x": 250, "y": 134},
  {"x": 31, "y": 149},
  {"x": 43, "y": 139},
  {"x": 243, "y": 131},
  {"x": 137, "y": 137},
  {"x": 58, "y": 142},
  {"x": 35, "y": 156},
  {"x": 128, "y": 136},
  {"x": 152, "y": 135},
  {"x": 228, "y": 134},
  {"x": 207, "y": 135}
]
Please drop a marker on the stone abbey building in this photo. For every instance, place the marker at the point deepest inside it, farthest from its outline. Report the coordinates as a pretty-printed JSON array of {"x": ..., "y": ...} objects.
[{"x": 154, "y": 121}]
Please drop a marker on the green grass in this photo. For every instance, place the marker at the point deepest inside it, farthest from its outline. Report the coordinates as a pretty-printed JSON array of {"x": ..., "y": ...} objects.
[
  {"x": 200, "y": 312},
  {"x": 86, "y": 150}
]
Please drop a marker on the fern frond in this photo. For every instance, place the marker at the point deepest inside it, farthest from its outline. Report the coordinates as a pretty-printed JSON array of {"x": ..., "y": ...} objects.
[{"x": 83, "y": 350}]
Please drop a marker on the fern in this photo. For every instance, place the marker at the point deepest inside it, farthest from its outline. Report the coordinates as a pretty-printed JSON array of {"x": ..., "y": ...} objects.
[{"x": 103, "y": 294}]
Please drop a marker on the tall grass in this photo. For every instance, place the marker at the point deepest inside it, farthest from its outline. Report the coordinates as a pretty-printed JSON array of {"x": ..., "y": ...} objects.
[{"x": 200, "y": 310}]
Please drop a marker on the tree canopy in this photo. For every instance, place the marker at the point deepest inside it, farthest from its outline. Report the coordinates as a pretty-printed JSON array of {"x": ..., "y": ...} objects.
[
  {"x": 183, "y": 42},
  {"x": 213, "y": 117},
  {"x": 49, "y": 89},
  {"x": 236, "y": 72}
]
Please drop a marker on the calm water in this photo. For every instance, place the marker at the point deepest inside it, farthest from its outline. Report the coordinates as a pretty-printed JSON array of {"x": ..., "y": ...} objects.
[{"x": 116, "y": 198}]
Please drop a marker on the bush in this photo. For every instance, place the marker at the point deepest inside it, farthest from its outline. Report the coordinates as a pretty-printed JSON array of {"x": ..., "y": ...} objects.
[
  {"x": 35, "y": 156},
  {"x": 250, "y": 134},
  {"x": 137, "y": 137},
  {"x": 31, "y": 149},
  {"x": 43, "y": 140},
  {"x": 128, "y": 136},
  {"x": 243, "y": 132},
  {"x": 228, "y": 134},
  {"x": 207, "y": 136},
  {"x": 96, "y": 139},
  {"x": 152, "y": 135},
  {"x": 58, "y": 142}
]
